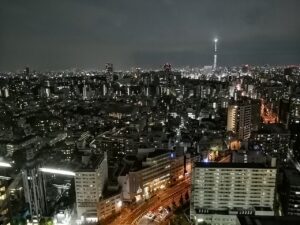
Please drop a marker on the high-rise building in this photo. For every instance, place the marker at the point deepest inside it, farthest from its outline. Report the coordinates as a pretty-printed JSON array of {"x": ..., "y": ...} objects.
[
  {"x": 267, "y": 220},
  {"x": 242, "y": 118},
  {"x": 295, "y": 110},
  {"x": 167, "y": 67},
  {"x": 34, "y": 185},
  {"x": 272, "y": 139},
  {"x": 109, "y": 68},
  {"x": 26, "y": 71},
  {"x": 255, "y": 114},
  {"x": 5, "y": 210},
  {"x": 84, "y": 92},
  {"x": 34, "y": 189},
  {"x": 283, "y": 114},
  {"x": 220, "y": 191},
  {"x": 6, "y": 92},
  {"x": 291, "y": 195},
  {"x": 90, "y": 181},
  {"x": 109, "y": 72},
  {"x": 294, "y": 124}
]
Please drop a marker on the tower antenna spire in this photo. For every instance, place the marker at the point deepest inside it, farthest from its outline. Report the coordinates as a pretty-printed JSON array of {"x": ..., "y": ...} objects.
[{"x": 215, "y": 54}]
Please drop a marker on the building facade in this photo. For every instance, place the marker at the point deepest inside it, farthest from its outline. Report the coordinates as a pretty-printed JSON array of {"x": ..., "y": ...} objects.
[
  {"x": 221, "y": 188},
  {"x": 34, "y": 190},
  {"x": 291, "y": 199},
  {"x": 89, "y": 184},
  {"x": 159, "y": 170},
  {"x": 272, "y": 139},
  {"x": 109, "y": 206},
  {"x": 242, "y": 118}
]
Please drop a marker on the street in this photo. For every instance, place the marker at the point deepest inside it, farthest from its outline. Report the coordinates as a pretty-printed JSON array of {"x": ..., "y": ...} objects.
[{"x": 162, "y": 198}]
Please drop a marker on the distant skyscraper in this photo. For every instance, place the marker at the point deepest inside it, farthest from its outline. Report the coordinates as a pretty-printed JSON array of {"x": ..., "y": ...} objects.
[
  {"x": 294, "y": 124},
  {"x": 6, "y": 92},
  {"x": 84, "y": 92},
  {"x": 109, "y": 68},
  {"x": 167, "y": 67},
  {"x": 47, "y": 92},
  {"x": 283, "y": 114},
  {"x": 104, "y": 90},
  {"x": 26, "y": 71},
  {"x": 294, "y": 109},
  {"x": 245, "y": 68},
  {"x": 47, "y": 89}
]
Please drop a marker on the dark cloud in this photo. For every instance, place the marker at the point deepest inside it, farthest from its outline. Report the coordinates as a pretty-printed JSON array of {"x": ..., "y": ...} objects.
[{"x": 60, "y": 34}]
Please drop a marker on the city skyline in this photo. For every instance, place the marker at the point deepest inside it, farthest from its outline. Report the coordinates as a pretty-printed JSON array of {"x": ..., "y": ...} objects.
[
  {"x": 149, "y": 112},
  {"x": 74, "y": 34}
]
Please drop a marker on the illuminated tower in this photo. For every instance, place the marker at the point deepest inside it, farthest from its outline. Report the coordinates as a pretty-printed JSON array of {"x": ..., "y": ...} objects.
[{"x": 215, "y": 55}]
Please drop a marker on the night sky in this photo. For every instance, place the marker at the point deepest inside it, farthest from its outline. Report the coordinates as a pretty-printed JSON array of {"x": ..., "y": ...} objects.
[{"x": 61, "y": 34}]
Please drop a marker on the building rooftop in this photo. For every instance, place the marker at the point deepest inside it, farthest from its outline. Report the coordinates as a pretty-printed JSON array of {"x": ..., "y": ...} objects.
[
  {"x": 157, "y": 152},
  {"x": 269, "y": 220},
  {"x": 91, "y": 163},
  {"x": 248, "y": 157},
  {"x": 231, "y": 165},
  {"x": 272, "y": 128},
  {"x": 292, "y": 176}
]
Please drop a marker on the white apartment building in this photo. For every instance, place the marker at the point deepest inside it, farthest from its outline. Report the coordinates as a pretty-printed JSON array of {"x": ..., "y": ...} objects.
[
  {"x": 89, "y": 184},
  {"x": 228, "y": 189},
  {"x": 156, "y": 174},
  {"x": 160, "y": 169},
  {"x": 109, "y": 206}
]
